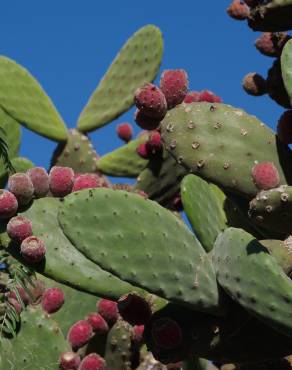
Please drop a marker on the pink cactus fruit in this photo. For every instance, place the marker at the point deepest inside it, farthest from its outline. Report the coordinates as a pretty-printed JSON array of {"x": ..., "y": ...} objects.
[
  {"x": 86, "y": 181},
  {"x": 146, "y": 123},
  {"x": 192, "y": 97},
  {"x": 209, "y": 96},
  {"x": 8, "y": 204},
  {"x": 79, "y": 334},
  {"x": 53, "y": 299},
  {"x": 19, "y": 228},
  {"x": 22, "y": 294},
  {"x": 40, "y": 180},
  {"x": 150, "y": 100},
  {"x": 142, "y": 150},
  {"x": 174, "y": 85},
  {"x": 108, "y": 310},
  {"x": 21, "y": 186},
  {"x": 166, "y": 333},
  {"x": 125, "y": 131},
  {"x": 61, "y": 180},
  {"x": 265, "y": 175},
  {"x": 137, "y": 335},
  {"x": 92, "y": 362},
  {"x": 284, "y": 128},
  {"x": 271, "y": 44},
  {"x": 134, "y": 309},
  {"x": 98, "y": 323},
  {"x": 238, "y": 10},
  {"x": 69, "y": 361},
  {"x": 33, "y": 249},
  {"x": 154, "y": 143}
]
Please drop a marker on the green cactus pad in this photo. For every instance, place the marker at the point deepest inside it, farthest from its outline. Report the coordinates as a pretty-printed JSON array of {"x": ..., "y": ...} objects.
[
  {"x": 76, "y": 307},
  {"x": 272, "y": 210},
  {"x": 63, "y": 262},
  {"x": 23, "y": 98},
  {"x": 142, "y": 243},
  {"x": 272, "y": 16},
  {"x": 286, "y": 66},
  {"x": 77, "y": 152},
  {"x": 22, "y": 164},
  {"x": 253, "y": 278},
  {"x": 161, "y": 179},
  {"x": 282, "y": 252},
  {"x": 124, "y": 161},
  {"x": 38, "y": 344},
  {"x": 204, "y": 209},
  {"x": 118, "y": 347},
  {"x": 137, "y": 62},
  {"x": 222, "y": 144}
]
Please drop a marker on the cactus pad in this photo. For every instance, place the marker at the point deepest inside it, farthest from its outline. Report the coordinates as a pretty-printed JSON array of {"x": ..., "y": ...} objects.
[
  {"x": 221, "y": 144},
  {"x": 142, "y": 243},
  {"x": 137, "y": 63},
  {"x": 286, "y": 67},
  {"x": 23, "y": 98},
  {"x": 22, "y": 164}
]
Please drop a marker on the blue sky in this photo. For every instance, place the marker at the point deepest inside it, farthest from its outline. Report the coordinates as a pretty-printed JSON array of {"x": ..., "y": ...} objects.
[{"x": 68, "y": 45}]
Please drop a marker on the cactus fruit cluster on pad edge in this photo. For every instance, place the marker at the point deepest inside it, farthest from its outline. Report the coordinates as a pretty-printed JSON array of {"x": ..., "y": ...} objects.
[{"x": 96, "y": 275}]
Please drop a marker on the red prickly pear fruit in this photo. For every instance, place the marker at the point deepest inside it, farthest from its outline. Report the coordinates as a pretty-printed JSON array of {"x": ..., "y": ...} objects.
[
  {"x": 125, "y": 131},
  {"x": 271, "y": 44},
  {"x": 108, "y": 310},
  {"x": 98, "y": 323},
  {"x": 238, "y": 10},
  {"x": 209, "y": 96},
  {"x": 146, "y": 123},
  {"x": 142, "y": 150},
  {"x": 265, "y": 176},
  {"x": 33, "y": 249},
  {"x": 192, "y": 97},
  {"x": 150, "y": 100},
  {"x": 254, "y": 84},
  {"x": 40, "y": 180},
  {"x": 8, "y": 204},
  {"x": 19, "y": 228},
  {"x": 137, "y": 335},
  {"x": 174, "y": 85},
  {"x": 22, "y": 293},
  {"x": 284, "y": 128},
  {"x": 61, "y": 180},
  {"x": 92, "y": 362},
  {"x": 154, "y": 143},
  {"x": 166, "y": 333},
  {"x": 52, "y": 300},
  {"x": 17, "y": 306},
  {"x": 86, "y": 181},
  {"x": 134, "y": 309},
  {"x": 21, "y": 186},
  {"x": 69, "y": 361},
  {"x": 79, "y": 334}
]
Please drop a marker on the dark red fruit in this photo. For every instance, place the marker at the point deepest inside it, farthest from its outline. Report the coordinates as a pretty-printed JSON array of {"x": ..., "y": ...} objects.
[
  {"x": 134, "y": 309},
  {"x": 61, "y": 181},
  {"x": 33, "y": 249},
  {"x": 8, "y": 204},
  {"x": 174, "y": 85},
  {"x": 79, "y": 334},
  {"x": 52, "y": 300},
  {"x": 209, "y": 96},
  {"x": 238, "y": 10},
  {"x": 166, "y": 333},
  {"x": 86, "y": 181},
  {"x": 146, "y": 123},
  {"x": 142, "y": 150},
  {"x": 40, "y": 180},
  {"x": 271, "y": 44},
  {"x": 154, "y": 143},
  {"x": 192, "y": 97},
  {"x": 284, "y": 128},
  {"x": 21, "y": 186},
  {"x": 19, "y": 228},
  {"x": 69, "y": 361},
  {"x": 265, "y": 175},
  {"x": 108, "y": 310},
  {"x": 125, "y": 131},
  {"x": 137, "y": 335},
  {"x": 92, "y": 362},
  {"x": 98, "y": 323},
  {"x": 150, "y": 100}
]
